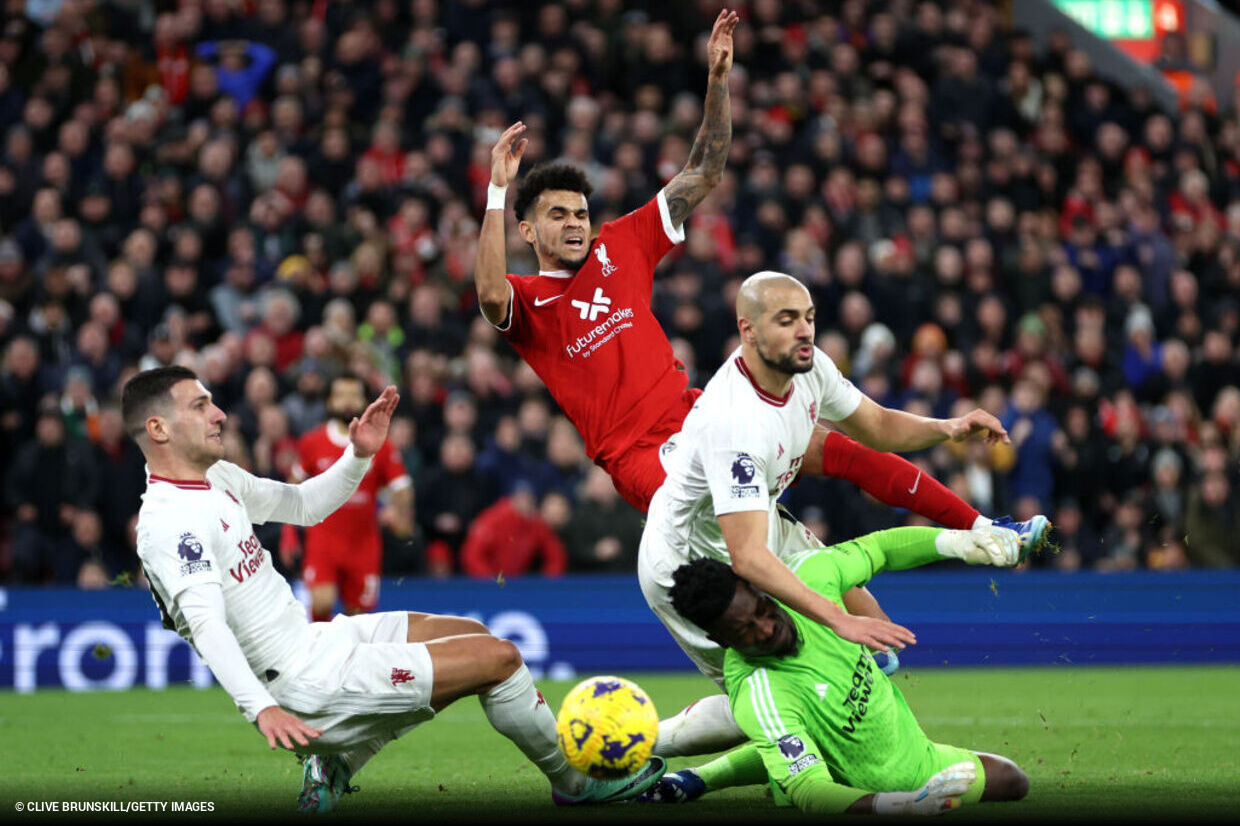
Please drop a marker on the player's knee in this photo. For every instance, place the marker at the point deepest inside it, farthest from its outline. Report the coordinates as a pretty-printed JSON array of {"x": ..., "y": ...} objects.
[
  {"x": 1018, "y": 784},
  {"x": 1005, "y": 781},
  {"x": 505, "y": 657}
]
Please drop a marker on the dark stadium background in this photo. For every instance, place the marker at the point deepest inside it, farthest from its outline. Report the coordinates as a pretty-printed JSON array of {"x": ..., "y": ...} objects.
[{"x": 274, "y": 191}]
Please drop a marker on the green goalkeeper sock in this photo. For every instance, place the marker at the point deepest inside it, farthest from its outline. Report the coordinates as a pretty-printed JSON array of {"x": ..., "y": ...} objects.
[{"x": 740, "y": 767}]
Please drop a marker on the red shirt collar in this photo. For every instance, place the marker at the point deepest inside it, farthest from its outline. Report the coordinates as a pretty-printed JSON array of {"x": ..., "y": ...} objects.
[
  {"x": 776, "y": 401},
  {"x": 183, "y": 484}
]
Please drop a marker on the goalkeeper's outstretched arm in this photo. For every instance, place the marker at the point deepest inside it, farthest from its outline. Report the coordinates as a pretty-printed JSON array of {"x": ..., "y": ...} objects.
[
  {"x": 899, "y": 549},
  {"x": 817, "y": 792}
]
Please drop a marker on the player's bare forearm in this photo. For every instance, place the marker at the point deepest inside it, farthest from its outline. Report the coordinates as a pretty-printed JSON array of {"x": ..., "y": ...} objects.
[
  {"x": 861, "y": 603},
  {"x": 491, "y": 265},
  {"x": 490, "y": 268},
  {"x": 708, "y": 155},
  {"x": 895, "y": 431},
  {"x": 766, "y": 572},
  {"x": 745, "y": 536}
]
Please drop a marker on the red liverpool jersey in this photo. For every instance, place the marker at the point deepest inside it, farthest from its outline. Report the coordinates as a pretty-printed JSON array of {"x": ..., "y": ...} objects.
[
  {"x": 353, "y": 527},
  {"x": 592, "y": 338}
]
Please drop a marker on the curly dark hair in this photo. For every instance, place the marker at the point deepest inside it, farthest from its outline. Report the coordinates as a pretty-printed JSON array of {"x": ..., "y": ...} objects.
[
  {"x": 703, "y": 590},
  {"x": 549, "y": 176}
]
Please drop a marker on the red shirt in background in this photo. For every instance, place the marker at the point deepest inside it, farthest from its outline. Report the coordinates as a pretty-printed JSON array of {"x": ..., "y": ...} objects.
[{"x": 504, "y": 540}]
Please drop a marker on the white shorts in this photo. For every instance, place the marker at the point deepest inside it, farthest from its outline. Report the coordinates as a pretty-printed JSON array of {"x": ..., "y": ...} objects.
[
  {"x": 361, "y": 679},
  {"x": 657, "y": 560}
]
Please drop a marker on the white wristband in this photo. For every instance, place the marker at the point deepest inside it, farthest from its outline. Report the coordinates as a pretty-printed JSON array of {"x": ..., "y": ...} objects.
[
  {"x": 496, "y": 197},
  {"x": 891, "y": 803}
]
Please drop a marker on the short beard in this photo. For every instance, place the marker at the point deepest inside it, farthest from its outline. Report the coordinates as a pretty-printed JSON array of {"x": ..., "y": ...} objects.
[
  {"x": 566, "y": 263},
  {"x": 206, "y": 459},
  {"x": 786, "y": 364},
  {"x": 345, "y": 417},
  {"x": 573, "y": 266}
]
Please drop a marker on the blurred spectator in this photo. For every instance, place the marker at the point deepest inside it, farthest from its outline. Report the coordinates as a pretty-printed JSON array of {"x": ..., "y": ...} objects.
[
  {"x": 450, "y": 498},
  {"x": 510, "y": 538},
  {"x": 122, "y": 474},
  {"x": 86, "y": 549},
  {"x": 1032, "y": 429},
  {"x": 1125, "y": 539},
  {"x": 1213, "y": 535},
  {"x": 604, "y": 531},
  {"x": 49, "y": 482},
  {"x": 1076, "y": 545},
  {"x": 21, "y": 386},
  {"x": 241, "y": 69}
]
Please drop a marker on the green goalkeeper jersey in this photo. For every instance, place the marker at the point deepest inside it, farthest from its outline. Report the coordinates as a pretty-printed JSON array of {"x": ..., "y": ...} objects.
[{"x": 827, "y": 707}]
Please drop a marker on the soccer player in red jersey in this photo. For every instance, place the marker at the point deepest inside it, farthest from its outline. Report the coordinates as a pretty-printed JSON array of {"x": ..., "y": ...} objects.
[
  {"x": 585, "y": 326},
  {"x": 343, "y": 554}
]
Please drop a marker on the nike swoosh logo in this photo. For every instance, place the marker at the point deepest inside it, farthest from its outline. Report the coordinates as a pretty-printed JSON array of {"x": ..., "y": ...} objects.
[
  {"x": 538, "y": 302},
  {"x": 916, "y": 482}
]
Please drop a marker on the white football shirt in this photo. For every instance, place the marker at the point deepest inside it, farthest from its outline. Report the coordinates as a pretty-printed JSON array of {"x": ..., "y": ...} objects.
[
  {"x": 191, "y": 533},
  {"x": 738, "y": 450}
]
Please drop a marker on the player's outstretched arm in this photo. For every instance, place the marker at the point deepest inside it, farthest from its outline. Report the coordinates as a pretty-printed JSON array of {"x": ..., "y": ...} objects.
[
  {"x": 369, "y": 432},
  {"x": 202, "y": 607},
  {"x": 745, "y": 535},
  {"x": 312, "y": 501},
  {"x": 860, "y": 602},
  {"x": 896, "y": 431},
  {"x": 714, "y": 139},
  {"x": 494, "y": 294}
]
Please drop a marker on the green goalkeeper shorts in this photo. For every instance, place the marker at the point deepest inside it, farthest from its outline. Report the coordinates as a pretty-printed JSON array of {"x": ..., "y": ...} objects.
[{"x": 938, "y": 757}]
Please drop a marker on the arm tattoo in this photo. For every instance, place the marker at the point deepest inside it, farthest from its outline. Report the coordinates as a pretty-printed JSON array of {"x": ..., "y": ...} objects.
[{"x": 706, "y": 158}]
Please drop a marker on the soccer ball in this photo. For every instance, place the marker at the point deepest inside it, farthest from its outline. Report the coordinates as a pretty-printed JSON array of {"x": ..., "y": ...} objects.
[{"x": 607, "y": 727}]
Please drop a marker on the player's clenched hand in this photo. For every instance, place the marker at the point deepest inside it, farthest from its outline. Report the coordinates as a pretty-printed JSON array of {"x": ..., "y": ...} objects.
[
  {"x": 719, "y": 47},
  {"x": 977, "y": 422},
  {"x": 505, "y": 156},
  {"x": 370, "y": 431},
  {"x": 278, "y": 726},
  {"x": 876, "y": 634},
  {"x": 940, "y": 794}
]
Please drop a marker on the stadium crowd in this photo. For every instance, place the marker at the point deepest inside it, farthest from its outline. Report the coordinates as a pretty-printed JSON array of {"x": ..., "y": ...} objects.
[{"x": 272, "y": 191}]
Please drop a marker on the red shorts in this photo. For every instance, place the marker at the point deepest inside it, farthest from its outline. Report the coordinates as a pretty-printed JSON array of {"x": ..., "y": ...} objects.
[
  {"x": 353, "y": 570},
  {"x": 638, "y": 473}
]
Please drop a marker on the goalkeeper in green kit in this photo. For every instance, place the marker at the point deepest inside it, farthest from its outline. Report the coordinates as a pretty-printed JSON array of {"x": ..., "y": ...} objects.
[{"x": 828, "y": 727}]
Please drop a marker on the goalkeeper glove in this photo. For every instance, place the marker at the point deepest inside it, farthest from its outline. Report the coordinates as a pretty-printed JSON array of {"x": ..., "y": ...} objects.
[
  {"x": 987, "y": 545},
  {"x": 941, "y": 793}
]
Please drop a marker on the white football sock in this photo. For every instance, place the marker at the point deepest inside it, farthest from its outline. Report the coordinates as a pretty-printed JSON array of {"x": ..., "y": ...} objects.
[
  {"x": 360, "y": 755},
  {"x": 705, "y": 727},
  {"x": 981, "y": 522},
  {"x": 518, "y": 711}
]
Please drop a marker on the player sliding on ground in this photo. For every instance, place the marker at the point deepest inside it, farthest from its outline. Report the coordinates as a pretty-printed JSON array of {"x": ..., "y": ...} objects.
[
  {"x": 738, "y": 451},
  {"x": 832, "y": 731},
  {"x": 336, "y": 691},
  {"x": 584, "y": 324}
]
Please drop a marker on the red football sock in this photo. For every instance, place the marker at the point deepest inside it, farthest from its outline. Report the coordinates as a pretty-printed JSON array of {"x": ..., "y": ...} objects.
[{"x": 895, "y": 480}]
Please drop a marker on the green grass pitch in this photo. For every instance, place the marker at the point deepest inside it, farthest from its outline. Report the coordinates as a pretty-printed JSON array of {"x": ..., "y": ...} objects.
[{"x": 1097, "y": 743}]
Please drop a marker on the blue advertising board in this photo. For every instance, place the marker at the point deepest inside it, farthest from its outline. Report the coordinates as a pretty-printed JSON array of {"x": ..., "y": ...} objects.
[{"x": 91, "y": 640}]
